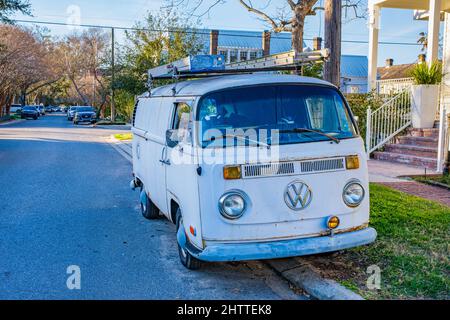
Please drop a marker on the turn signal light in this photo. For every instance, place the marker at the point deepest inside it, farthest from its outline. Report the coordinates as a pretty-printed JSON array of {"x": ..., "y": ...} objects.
[
  {"x": 193, "y": 231},
  {"x": 352, "y": 162},
  {"x": 232, "y": 173},
  {"x": 333, "y": 222}
]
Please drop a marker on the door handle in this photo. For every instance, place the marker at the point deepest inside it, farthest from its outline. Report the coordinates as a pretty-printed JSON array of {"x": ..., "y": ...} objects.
[
  {"x": 166, "y": 162},
  {"x": 163, "y": 159}
]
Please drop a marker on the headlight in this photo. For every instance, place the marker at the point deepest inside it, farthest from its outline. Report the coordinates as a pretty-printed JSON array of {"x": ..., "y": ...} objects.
[
  {"x": 232, "y": 205},
  {"x": 353, "y": 194}
]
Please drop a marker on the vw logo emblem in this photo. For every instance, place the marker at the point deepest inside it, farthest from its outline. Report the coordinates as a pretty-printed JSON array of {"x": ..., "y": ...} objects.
[{"x": 297, "y": 196}]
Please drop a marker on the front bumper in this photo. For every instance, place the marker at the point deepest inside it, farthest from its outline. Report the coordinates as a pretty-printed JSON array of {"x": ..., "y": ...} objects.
[
  {"x": 85, "y": 119},
  {"x": 280, "y": 249}
]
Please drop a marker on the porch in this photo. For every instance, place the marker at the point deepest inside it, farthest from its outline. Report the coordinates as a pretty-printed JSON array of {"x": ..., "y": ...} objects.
[{"x": 389, "y": 126}]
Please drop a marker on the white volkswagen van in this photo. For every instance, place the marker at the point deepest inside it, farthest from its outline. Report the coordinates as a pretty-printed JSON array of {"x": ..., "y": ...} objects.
[{"x": 252, "y": 166}]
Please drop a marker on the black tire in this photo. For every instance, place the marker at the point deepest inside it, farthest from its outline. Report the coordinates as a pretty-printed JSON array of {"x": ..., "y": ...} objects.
[
  {"x": 35, "y": 118},
  {"x": 186, "y": 258},
  {"x": 149, "y": 210}
]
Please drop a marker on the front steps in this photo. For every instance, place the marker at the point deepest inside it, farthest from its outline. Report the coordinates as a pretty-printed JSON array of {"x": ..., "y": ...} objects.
[{"x": 418, "y": 148}]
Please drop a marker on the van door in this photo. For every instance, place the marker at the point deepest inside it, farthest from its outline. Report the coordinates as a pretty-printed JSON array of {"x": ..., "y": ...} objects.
[{"x": 182, "y": 173}]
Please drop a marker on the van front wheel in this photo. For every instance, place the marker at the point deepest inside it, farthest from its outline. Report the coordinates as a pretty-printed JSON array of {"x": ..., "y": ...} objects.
[{"x": 186, "y": 258}]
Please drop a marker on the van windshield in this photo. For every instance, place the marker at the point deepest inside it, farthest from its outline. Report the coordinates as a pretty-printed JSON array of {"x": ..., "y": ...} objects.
[{"x": 275, "y": 114}]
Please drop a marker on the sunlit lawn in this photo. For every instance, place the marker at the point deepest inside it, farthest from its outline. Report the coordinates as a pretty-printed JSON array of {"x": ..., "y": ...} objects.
[
  {"x": 124, "y": 136},
  {"x": 412, "y": 249}
]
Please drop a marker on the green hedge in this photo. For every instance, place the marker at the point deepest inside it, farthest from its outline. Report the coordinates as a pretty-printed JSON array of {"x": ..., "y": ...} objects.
[{"x": 359, "y": 103}]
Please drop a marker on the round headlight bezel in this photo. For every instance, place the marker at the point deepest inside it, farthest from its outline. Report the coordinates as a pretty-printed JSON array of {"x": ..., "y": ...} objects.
[
  {"x": 225, "y": 197},
  {"x": 346, "y": 188}
]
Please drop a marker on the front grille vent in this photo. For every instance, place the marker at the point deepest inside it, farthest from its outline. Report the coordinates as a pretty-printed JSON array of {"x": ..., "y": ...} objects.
[{"x": 293, "y": 168}]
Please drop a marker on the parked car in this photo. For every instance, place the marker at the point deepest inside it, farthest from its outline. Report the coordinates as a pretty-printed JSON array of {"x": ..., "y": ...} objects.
[
  {"x": 15, "y": 108},
  {"x": 310, "y": 196},
  {"x": 56, "y": 109},
  {"x": 71, "y": 113},
  {"x": 41, "y": 110},
  {"x": 29, "y": 112},
  {"x": 48, "y": 109},
  {"x": 85, "y": 114}
]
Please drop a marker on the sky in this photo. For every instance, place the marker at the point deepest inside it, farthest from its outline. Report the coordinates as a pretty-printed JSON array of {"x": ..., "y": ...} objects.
[{"x": 396, "y": 25}]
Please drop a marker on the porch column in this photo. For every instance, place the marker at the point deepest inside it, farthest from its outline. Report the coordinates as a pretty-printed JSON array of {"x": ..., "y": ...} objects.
[
  {"x": 433, "y": 30},
  {"x": 374, "y": 29}
]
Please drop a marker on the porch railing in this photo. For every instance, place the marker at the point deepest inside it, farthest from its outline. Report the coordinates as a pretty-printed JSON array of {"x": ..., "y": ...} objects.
[
  {"x": 393, "y": 86},
  {"x": 384, "y": 123},
  {"x": 444, "y": 129}
]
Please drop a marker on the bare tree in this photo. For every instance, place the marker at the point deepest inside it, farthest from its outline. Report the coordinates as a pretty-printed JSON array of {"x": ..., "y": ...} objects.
[
  {"x": 24, "y": 62},
  {"x": 83, "y": 57},
  {"x": 288, "y": 18}
]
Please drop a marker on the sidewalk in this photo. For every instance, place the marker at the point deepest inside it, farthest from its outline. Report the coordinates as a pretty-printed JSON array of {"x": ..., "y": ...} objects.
[
  {"x": 383, "y": 171},
  {"x": 123, "y": 147},
  {"x": 390, "y": 175}
]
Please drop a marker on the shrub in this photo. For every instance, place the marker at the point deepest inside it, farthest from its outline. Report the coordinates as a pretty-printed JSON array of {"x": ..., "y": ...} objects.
[
  {"x": 427, "y": 74},
  {"x": 359, "y": 103}
]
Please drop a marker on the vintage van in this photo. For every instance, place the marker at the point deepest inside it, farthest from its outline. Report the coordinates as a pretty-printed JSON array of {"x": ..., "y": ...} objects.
[{"x": 297, "y": 184}]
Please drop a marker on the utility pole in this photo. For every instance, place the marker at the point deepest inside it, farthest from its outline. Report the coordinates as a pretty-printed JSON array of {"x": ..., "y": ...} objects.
[
  {"x": 333, "y": 36},
  {"x": 113, "y": 77}
]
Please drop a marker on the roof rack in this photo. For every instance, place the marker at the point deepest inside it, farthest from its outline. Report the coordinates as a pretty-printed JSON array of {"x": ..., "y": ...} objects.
[{"x": 202, "y": 66}]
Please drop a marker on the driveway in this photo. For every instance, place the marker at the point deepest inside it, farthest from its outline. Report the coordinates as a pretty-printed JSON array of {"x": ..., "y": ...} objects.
[{"x": 65, "y": 201}]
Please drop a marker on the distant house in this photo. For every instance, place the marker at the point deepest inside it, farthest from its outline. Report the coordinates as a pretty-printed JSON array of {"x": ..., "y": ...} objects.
[
  {"x": 354, "y": 74},
  {"x": 390, "y": 71},
  {"x": 237, "y": 45}
]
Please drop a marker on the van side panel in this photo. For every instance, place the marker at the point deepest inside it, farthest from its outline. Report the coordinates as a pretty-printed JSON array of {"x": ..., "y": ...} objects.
[{"x": 149, "y": 168}]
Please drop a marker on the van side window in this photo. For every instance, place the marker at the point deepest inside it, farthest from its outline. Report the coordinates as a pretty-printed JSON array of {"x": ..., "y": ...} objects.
[{"x": 182, "y": 121}]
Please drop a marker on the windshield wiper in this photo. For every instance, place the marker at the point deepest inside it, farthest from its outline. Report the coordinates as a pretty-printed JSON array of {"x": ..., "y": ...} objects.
[
  {"x": 243, "y": 138},
  {"x": 303, "y": 130}
]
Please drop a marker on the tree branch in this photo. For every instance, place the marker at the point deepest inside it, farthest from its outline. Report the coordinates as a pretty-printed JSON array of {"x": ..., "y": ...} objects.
[{"x": 277, "y": 27}]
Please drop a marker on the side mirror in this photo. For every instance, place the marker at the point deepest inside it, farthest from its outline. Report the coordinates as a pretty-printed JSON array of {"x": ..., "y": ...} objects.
[{"x": 172, "y": 138}]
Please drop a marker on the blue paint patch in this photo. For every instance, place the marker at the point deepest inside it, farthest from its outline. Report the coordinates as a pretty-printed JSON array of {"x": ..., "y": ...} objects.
[
  {"x": 282, "y": 249},
  {"x": 143, "y": 197},
  {"x": 181, "y": 237}
]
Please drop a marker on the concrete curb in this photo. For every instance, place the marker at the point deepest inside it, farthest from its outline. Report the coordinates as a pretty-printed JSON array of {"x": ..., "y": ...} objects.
[
  {"x": 121, "y": 147},
  {"x": 12, "y": 122},
  {"x": 302, "y": 275}
]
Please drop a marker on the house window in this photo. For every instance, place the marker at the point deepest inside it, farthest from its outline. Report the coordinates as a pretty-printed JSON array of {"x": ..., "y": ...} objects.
[
  {"x": 233, "y": 55},
  {"x": 243, "y": 55},
  {"x": 253, "y": 55},
  {"x": 353, "y": 89}
]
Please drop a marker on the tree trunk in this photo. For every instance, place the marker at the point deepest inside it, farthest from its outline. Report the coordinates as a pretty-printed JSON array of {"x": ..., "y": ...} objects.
[
  {"x": 333, "y": 33},
  {"x": 23, "y": 97},
  {"x": 297, "y": 31},
  {"x": 9, "y": 101}
]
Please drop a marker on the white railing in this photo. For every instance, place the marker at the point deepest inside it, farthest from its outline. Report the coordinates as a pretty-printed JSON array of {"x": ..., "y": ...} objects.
[
  {"x": 384, "y": 123},
  {"x": 444, "y": 128},
  {"x": 393, "y": 86},
  {"x": 443, "y": 147}
]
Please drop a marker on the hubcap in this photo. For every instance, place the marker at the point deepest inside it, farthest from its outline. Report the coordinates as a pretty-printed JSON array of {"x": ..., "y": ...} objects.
[{"x": 182, "y": 250}]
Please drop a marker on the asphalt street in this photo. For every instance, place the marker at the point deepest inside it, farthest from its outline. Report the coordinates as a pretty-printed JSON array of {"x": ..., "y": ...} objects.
[{"x": 65, "y": 201}]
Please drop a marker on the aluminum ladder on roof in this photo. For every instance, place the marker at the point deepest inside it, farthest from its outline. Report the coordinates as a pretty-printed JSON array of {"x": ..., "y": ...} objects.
[{"x": 204, "y": 65}]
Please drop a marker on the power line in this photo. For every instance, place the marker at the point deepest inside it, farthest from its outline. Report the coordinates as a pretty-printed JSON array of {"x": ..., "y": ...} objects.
[{"x": 198, "y": 32}]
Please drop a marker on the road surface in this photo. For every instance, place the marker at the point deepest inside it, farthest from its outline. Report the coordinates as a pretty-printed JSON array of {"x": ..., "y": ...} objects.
[{"x": 65, "y": 201}]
